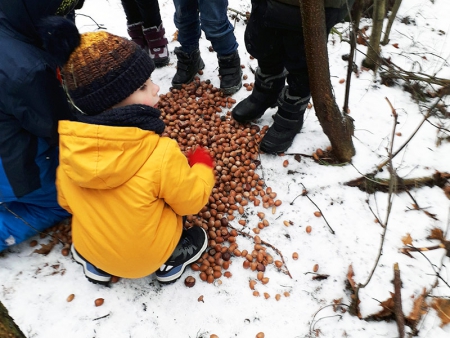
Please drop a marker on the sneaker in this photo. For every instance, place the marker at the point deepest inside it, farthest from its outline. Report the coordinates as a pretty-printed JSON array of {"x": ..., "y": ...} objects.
[
  {"x": 192, "y": 244},
  {"x": 93, "y": 274}
]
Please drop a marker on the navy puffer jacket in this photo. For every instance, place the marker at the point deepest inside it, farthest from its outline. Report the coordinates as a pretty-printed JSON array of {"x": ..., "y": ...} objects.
[{"x": 31, "y": 97}]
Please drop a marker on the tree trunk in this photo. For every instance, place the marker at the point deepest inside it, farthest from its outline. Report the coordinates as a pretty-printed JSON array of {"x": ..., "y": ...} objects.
[
  {"x": 336, "y": 125},
  {"x": 372, "y": 60},
  {"x": 355, "y": 19},
  {"x": 391, "y": 21},
  {"x": 8, "y": 328}
]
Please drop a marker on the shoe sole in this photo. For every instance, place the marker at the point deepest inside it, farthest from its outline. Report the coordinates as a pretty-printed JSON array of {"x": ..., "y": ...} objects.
[
  {"x": 161, "y": 62},
  {"x": 180, "y": 85},
  {"x": 268, "y": 147},
  {"x": 173, "y": 278},
  {"x": 231, "y": 90},
  {"x": 89, "y": 275}
]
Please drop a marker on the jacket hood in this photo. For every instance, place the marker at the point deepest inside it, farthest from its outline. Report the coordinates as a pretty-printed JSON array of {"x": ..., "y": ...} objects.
[
  {"x": 103, "y": 157},
  {"x": 35, "y": 22},
  {"x": 24, "y": 15}
]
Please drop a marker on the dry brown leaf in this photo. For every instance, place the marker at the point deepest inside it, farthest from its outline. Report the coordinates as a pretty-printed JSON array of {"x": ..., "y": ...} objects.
[
  {"x": 337, "y": 305},
  {"x": 320, "y": 276},
  {"x": 436, "y": 233},
  {"x": 350, "y": 276},
  {"x": 175, "y": 36},
  {"x": 405, "y": 251},
  {"x": 388, "y": 308},
  {"x": 447, "y": 248},
  {"x": 429, "y": 214},
  {"x": 407, "y": 240},
  {"x": 45, "y": 248},
  {"x": 447, "y": 191},
  {"x": 442, "y": 307},
  {"x": 419, "y": 308}
]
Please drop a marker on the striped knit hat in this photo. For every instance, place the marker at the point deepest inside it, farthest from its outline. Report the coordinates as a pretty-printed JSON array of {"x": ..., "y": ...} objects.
[{"x": 104, "y": 70}]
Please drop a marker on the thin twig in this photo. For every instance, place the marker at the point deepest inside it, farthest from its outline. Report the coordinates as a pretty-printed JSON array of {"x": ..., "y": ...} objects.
[
  {"x": 32, "y": 227},
  {"x": 311, "y": 326},
  {"x": 266, "y": 244},
  {"x": 393, "y": 175},
  {"x": 246, "y": 16},
  {"x": 101, "y": 317},
  {"x": 425, "y": 118},
  {"x": 99, "y": 25},
  {"x": 305, "y": 193}
]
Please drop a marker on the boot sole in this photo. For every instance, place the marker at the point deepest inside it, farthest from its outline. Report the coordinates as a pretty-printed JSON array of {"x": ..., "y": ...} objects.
[
  {"x": 243, "y": 119},
  {"x": 161, "y": 62},
  {"x": 232, "y": 90},
  {"x": 200, "y": 67},
  {"x": 176, "y": 276},
  {"x": 89, "y": 275},
  {"x": 269, "y": 147}
]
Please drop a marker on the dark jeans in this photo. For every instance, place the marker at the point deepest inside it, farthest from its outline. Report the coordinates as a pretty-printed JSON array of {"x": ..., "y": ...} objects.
[
  {"x": 274, "y": 36},
  {"x": 146, "y": 11},
  {"x": 209, "y": 16}
]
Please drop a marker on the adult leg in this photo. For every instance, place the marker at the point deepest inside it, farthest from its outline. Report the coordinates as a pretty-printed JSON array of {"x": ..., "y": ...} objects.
[
  {"x": 264, "y": 44},
  {"x": 154, "y": 31},
  {"x": 134, "y": 22},
  {"x": 187, "y": 21},
  {"x": 294, "y": 98},
  {"x": 220, "y": 32}
]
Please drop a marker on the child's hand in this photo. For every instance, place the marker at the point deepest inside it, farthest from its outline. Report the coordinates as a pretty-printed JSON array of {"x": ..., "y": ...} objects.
[{"x": 200, "y": 155}]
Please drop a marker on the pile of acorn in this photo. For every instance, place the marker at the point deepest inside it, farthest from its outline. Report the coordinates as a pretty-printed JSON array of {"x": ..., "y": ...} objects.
[{"x": 199, "y": 114}]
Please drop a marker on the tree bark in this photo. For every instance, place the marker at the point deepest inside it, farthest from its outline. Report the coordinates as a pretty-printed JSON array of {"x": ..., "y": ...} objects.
[
  {"x": 372, "y": 60},
  {"x": 355, "y": 19},
  {"x": 7, "y": 326},
  {"x": 336, "y": 125},
  {"x": 399, "y": 317},
  {"x": 391, "y": 21}
]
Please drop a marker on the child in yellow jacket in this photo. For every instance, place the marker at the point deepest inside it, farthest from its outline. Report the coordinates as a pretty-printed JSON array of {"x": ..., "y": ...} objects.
[{"x": 126, "y": 187}]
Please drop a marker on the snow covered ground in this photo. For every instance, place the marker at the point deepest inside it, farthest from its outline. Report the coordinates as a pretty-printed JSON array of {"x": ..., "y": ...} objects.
[{"x": 35, "y": 287}]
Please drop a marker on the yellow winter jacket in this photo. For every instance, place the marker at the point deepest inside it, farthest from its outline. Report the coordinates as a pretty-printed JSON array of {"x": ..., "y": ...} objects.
[{"x": 127, "y": 189}]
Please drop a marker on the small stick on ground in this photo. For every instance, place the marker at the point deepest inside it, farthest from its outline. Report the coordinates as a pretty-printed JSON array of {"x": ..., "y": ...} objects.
[
  {"x": 305, "y": 193},
  {"x": 399, "y": 317},
  {"x": 266, "y": 244}
]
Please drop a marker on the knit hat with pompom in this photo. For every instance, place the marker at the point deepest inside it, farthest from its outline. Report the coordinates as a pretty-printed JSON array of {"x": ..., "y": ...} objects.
[{"x": 104, "y": 70}]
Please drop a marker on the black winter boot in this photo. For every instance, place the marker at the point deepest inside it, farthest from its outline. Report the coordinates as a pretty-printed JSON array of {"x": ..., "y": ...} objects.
[
  {"x": 137, "y": 35},
  {"x": 263, "y": 96},
  {"x": 288, "y": 122},
  {"x": 187, "y": 67},
  {"x": 157, "y": 45},
  {"x": 230, "y": 73}
]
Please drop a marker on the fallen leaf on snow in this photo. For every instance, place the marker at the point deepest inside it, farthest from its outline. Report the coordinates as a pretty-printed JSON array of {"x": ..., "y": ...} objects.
[
  {"x": 436, "y": 233},
  {"x": 388, "y": 308},
  {"x": 350, "y": 276},
  {"x": 419, "y": 308},
  {"x": 442, "y": 307},
  {"x": 407, "y": 240}
]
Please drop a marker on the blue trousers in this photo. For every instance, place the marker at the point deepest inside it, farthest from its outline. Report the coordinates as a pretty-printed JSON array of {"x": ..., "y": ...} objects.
[
  {"x": 22, "y": 218},
  {"x": 192, "y": 16}
]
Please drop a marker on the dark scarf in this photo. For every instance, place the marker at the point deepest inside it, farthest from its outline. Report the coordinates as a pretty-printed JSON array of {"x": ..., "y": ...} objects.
[{"x": 136, "y": 115}]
